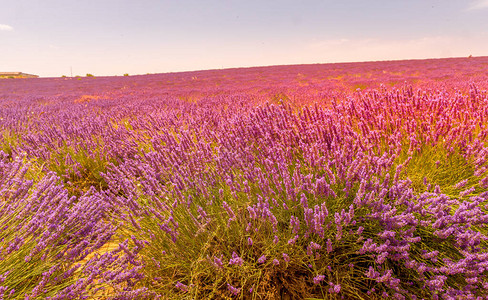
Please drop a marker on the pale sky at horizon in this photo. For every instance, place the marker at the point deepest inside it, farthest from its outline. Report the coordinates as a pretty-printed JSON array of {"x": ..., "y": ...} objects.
[{"x": 113, "y": 37}]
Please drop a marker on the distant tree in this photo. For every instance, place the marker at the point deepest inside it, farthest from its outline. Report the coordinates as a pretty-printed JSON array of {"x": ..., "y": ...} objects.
[
  {"x": 89, "y": 75},
  {"x": 126, "y": 74}
]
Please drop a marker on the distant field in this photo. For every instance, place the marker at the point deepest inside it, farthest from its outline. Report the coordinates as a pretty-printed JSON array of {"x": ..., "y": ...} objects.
[{"x": 353, "y": 180}]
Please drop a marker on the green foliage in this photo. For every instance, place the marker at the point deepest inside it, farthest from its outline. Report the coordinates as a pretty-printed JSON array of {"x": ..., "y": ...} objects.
[
  {"x": 280, "y": 98},
  {"x": 359, "y": 86},
  {"x": 82, "y": 171},
  {"x": 9, "y": 141},
  {"x": 432, "y": 166}
]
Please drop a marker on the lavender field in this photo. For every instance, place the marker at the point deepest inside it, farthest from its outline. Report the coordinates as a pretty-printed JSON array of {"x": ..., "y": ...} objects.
[{"x": 337, "y": 181}]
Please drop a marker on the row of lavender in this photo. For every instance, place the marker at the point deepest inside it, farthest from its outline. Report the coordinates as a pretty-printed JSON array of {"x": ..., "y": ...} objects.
[{"x": 217, "y": 194}]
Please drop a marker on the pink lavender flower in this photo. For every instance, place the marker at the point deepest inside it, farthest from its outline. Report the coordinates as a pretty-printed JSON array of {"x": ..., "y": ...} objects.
[
  {"x": 318, "y": 279},
  {"x": 181, "y": 286},
  {"x": 461, "y": 184},
  {"x": 236, "y": 260},
  {"x": 229, "y": 211},
  {"x": 235, "y": 291},
  {"x": 218, "y": 262},
  {"x": 286, "y": 257},
  {"x": 334, "y": 288},
  {"x": 293, "y": 240},
  {"x": 329, "y": 246}
]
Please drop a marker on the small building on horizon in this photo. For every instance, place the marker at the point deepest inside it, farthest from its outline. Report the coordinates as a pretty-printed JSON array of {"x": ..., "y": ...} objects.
[{"x": 16, "y": 75}]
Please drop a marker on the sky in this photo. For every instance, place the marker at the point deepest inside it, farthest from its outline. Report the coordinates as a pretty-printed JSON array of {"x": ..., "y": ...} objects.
[{"x": 52, "y": 38}]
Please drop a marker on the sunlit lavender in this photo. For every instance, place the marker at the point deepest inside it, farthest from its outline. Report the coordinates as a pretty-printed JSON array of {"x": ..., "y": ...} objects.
[{"x": 324, "y": 181}]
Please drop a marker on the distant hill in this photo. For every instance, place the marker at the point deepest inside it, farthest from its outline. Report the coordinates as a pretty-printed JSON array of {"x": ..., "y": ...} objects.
[{"x": 16, "y": 75}]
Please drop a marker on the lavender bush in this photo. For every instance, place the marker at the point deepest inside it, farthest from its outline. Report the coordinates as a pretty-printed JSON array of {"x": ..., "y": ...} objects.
[{"x": 50, "y": 243}]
